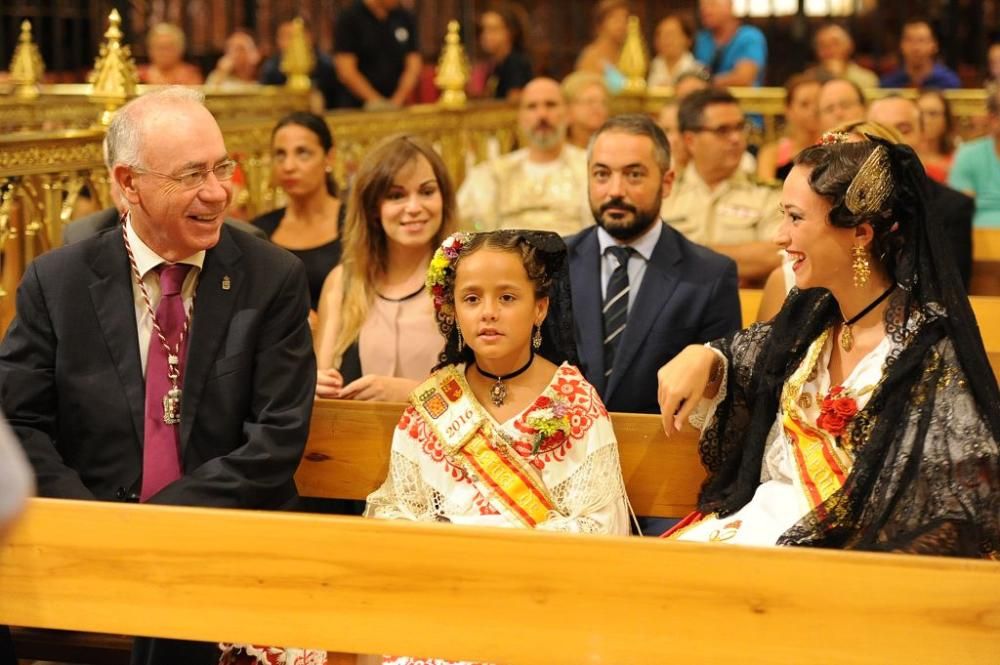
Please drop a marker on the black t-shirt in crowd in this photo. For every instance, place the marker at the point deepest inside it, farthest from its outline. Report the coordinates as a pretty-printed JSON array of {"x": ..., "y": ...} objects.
[
  {"x": 511, "y": 74},
  {"x": 380, "y": 46}
]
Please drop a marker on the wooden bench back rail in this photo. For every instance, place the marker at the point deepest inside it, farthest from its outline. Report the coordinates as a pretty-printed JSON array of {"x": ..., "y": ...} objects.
[
  {"x": 498, "y": 595},
  {"x": 986, "y": 309},
  {"x": 347, "y": 456}
]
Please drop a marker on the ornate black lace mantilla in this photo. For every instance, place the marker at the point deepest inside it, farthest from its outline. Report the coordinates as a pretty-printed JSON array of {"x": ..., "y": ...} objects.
[
  {"x": 925, "y": 477},
  {"x": 926, "y": 473}
]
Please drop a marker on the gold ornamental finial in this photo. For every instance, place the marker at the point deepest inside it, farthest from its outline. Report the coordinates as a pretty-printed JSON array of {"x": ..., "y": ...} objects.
[
  {"x": 298, "y": 60},
  {"x": 633, "y": 59},
  {"x": 113, "y": 81},
  {"x": 453, "y": 70},
  {"x": 26, "y": 67}
]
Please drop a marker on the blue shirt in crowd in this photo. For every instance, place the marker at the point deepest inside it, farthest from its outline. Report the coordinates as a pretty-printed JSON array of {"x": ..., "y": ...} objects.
[
  {"x": 941, "y": 78},
  {"x": 976, "y": 171},
  {"x": 748, "y": 43}
]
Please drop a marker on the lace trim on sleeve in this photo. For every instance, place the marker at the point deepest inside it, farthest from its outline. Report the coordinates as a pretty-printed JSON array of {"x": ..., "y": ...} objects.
[
  {"x": 404, "y": 495},
  {"x": 704, "y": 413}
]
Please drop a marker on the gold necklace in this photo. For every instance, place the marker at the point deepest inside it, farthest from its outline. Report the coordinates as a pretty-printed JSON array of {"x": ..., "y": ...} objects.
[{"x": 846, "y": 337}]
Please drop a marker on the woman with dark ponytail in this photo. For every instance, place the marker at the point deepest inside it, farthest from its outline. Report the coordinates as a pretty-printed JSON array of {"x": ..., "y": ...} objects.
[
  {"x": 310, "y": 225},
  {"x": 865, "y": 415}
]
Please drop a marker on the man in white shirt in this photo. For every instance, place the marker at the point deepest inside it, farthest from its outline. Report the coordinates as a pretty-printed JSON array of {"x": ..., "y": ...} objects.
[{"x": 542, "y": 186}]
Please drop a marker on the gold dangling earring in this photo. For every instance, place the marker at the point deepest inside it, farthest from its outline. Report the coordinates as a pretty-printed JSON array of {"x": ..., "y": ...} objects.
[
  {"x": 536, "y": 339},
  {"x": 859, "y": 265},
  {"x": 461, "y": 342}
]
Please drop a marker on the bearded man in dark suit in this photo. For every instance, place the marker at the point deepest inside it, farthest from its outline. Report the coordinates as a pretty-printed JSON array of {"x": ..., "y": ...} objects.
[{"x": 641, "y": 290}]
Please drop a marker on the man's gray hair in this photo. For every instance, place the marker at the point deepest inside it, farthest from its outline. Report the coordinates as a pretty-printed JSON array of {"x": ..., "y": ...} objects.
[
  {"x": 124, "y": 139},
  {"x": 636, "y": 124}
]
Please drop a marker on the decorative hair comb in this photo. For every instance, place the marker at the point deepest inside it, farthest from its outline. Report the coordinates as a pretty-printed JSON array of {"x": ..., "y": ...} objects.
[
  {"x": 829, "y": 138},
  {"x": 871, "y": 185}
]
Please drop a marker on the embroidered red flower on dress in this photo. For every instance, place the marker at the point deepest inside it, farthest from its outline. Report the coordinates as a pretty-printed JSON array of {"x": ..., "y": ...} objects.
[{"x": 836, "y": 411}]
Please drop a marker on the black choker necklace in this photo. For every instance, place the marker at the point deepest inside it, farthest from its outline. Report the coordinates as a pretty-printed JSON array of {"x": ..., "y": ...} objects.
[
  {"x": 498, "y": 393},
  {"x": 846, "y": 337}
]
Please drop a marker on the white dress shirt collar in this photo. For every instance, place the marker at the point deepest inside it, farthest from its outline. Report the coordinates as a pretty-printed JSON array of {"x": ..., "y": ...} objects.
[
  {"x": 643, "y": 245},
  {"x": 146, "y": 259}
]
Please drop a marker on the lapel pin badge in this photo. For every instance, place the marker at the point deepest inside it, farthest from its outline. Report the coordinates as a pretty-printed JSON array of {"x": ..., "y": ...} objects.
[{"x": 226, "y": 283}]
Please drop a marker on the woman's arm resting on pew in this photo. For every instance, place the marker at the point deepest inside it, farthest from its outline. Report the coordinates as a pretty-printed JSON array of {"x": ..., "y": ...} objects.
[{"x": 696, "y": 373}]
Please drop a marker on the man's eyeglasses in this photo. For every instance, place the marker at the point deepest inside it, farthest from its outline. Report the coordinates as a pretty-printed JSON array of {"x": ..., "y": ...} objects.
[
  {"x": 191, "y": 179},
  {"x": 722, "y": 131}
]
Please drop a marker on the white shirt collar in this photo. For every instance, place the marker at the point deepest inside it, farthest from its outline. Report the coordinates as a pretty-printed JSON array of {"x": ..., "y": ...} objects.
[
  {"x": 643, "y": 245},
  {"x": 146, "y": 259}
]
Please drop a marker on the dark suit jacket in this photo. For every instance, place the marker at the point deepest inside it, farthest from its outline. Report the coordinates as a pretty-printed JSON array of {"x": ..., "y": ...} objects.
[
  {"x": 72, "y": 388},
  {"x": 95, "y": 222},
  {"x": 689, "y": 295},
  {"x": 955, "y": 210}
]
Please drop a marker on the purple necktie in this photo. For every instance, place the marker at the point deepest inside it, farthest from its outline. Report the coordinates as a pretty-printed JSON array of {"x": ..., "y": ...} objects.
[{"x": 161, "y": 464}]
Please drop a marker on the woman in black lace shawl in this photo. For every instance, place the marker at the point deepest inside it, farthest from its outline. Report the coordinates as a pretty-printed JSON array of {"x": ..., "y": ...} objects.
[{"x": 919, "y": 456}]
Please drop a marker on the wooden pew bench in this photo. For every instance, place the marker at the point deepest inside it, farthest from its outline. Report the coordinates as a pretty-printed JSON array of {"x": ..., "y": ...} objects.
[
  {"x": 366, "y": 586},
  {"x": 985, "y": 262},
  {"x": 347, "y": 457}
]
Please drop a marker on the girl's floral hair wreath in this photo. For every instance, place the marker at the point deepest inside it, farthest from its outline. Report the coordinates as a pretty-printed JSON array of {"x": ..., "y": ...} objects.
[{"x": 441, "y": 272}]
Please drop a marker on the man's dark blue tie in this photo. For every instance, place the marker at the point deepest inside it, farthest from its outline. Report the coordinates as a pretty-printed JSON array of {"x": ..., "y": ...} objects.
[{"x": 615, "y": 310}]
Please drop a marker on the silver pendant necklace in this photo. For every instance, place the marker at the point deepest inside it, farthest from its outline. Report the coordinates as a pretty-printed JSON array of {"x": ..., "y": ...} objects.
[
  {"x": 498, "y": 392},
  {"x": 172, "y": 400}
]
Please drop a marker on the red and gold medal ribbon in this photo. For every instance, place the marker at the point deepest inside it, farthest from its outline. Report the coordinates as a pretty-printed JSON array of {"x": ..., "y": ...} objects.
[{"x": 501, "y": 475}]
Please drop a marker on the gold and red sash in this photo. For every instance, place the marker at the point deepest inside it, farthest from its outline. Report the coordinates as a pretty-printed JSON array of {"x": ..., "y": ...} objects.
[
  {"x": 821, "y": 463},
  {"x": 469, "y": 442}
]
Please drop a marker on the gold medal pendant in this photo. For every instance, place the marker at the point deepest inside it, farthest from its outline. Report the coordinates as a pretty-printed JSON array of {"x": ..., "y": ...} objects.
[
  {"x": 846, "y": 339},
  {"x": 498, "y": 393}
]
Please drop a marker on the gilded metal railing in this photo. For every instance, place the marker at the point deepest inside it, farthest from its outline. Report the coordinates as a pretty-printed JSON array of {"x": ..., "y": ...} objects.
[{"x": 68, "y": 106}]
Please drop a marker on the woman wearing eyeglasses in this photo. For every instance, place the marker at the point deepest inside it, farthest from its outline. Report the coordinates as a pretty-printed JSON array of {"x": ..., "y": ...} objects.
[{"x": 310, "y": 226}]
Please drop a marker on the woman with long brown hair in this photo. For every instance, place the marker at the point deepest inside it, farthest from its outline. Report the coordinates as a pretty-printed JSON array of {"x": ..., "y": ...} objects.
[
  {"x": 865, "y": 414},
  {"x": 377, "y": 336}
]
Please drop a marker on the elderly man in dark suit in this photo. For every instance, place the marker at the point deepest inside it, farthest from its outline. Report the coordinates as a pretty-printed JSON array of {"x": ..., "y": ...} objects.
[
  {"x": 167, "y": 360},
  {"x": 641, "y": 291}
]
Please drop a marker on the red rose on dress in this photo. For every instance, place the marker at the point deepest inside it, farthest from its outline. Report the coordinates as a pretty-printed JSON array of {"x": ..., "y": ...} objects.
[
  {"x": 832, "y": 423},
  {"x": 543, "y": 402},
  {"x": 837, "y": 410},
  {"x": 845, "y": 407}
]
